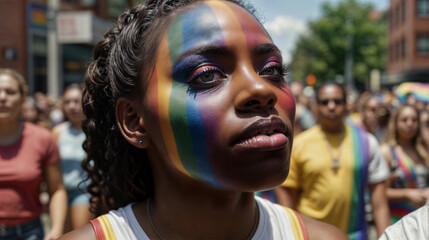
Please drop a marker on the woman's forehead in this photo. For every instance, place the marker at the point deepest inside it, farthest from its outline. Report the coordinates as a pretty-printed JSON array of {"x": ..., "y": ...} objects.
[
  {"x": 208, "y": 22},
  {"x": 408, "y": 111},
  {"x": 6, "y": 79}
]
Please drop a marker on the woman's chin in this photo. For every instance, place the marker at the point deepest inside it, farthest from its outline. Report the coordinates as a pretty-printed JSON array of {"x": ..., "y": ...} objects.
[{"x": 257, "y": 182}]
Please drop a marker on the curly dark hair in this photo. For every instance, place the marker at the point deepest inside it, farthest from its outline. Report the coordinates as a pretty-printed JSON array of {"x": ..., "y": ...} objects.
[{"x": 118, "y": 172}]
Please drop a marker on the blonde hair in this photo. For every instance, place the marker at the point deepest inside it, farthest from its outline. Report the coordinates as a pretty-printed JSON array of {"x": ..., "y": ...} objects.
[
  {"x": 391, "y": 136},
  {"x": 23, "y": 87}
]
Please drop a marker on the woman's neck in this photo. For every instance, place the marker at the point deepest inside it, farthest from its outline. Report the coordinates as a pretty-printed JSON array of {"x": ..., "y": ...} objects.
[
  {"x": 193, "y": 217},
  {"x": 405, "y": 143},
  {"x": 186, "y": 208},
  {"x": 76, "y": 125},
  {"x": 10, "y": 132}
]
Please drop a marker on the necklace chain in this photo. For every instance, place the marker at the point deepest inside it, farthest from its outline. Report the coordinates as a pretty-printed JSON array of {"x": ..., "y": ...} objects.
[
  {"x": 252, "y": 232},
  {"x": 335, "y": 165},
  {"x": 150, "y": 220}
]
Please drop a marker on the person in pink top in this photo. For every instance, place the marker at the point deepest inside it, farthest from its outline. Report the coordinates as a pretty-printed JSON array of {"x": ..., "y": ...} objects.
[{"x": 28, "y": 156}]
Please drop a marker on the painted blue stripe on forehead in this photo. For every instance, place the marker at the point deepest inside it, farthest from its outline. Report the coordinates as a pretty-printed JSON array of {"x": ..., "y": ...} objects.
[{"x": 200, "y": 26}]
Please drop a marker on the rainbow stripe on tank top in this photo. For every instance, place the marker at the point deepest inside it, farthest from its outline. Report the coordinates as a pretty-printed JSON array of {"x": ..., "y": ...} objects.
[
  {"x": 357, "y": 227},
  {"x": 407, "y": 179},
  {"x": 104, "y": 230}
]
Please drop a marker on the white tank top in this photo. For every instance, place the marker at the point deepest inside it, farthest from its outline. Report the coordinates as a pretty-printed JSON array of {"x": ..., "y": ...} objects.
[{"x": 275, "y": 222}]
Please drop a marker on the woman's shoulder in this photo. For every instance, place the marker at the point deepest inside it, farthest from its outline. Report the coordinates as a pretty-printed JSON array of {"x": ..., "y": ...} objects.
[
  {"x": 36, "y": 131},
  {"x": 386, "y": 151},
  {"x": 85, "y": 232},
  {"x": 320, "y": 230},
  {"x": 305, "y": 226},
  {"x": 116, "y": 224},
  {"x": 58, "y": 130}
]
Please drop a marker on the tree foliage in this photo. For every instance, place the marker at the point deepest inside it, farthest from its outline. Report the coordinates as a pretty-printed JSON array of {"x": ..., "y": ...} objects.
[{"x": 347, "y": 26}]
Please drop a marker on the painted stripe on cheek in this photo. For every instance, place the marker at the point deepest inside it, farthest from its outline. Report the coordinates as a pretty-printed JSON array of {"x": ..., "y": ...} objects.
[
  {"x": 164, "y": 92},
  {"x": 198, "y": 129},
  {"x": 177, "y": 102},
  {"x": 196, "y": 114},
  {"x": 186, "y": 32},
  {"x": 286, "y": 101}
]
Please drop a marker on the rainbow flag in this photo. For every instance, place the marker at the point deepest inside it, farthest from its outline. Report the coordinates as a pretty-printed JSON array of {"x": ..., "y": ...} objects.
[
  {"x": 357, "y": 228},
  {"x": 419, "y": 90},
  {"x": 408, "y": 179}
]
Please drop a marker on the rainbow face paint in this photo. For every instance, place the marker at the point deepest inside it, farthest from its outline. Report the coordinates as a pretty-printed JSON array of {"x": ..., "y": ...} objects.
[{"x": 191, "y": 93}]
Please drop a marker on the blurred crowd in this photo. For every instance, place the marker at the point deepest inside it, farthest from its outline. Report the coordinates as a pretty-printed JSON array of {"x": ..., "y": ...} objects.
[
  {"x": 397, "y": 118},
  {"x": 358, "y": 159},
  {"x": 43, "y": 110},
  {"x": 371, "y": 110}
]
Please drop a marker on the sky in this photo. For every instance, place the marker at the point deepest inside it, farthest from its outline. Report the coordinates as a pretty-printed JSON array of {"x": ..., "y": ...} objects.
[{"x": 285, "y": 20}]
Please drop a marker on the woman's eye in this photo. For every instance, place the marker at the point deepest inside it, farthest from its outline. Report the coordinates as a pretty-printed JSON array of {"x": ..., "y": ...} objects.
[
  {"x": 269, "y": 71},
  {"x": 11, "y": 92},
  {"x": 273, "y": 70},
  {"x": 206, "y": 77}
]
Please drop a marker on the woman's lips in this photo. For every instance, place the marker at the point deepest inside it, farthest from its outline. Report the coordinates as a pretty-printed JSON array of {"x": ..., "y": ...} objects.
[
  {"x": 4, "y": 109},
  {"x": 264, "y": 135},
  {"x": 264, "y": 142}
]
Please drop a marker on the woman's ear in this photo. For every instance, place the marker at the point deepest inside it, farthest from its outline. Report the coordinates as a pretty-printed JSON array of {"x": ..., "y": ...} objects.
[{"x": 131, "y": 124}]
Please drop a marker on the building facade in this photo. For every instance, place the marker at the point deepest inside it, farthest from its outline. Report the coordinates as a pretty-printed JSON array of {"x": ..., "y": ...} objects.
[
  {"x": 408, "y": 42},
  {"x": 24, "y": 39}
]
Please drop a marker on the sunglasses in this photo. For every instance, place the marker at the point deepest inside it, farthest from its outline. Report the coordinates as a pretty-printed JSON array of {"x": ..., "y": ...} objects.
[{"x": 336, "y": 101}]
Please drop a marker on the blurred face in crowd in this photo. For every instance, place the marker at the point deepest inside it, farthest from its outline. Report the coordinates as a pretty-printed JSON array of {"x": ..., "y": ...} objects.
[
  {"x": 11, "y": 98},
  {"x": 29, "y": 112},
  {"x": 407, "y": 123},
  {"x": 424, "y": 119},
  {"x": 424, "y": 126},
  {"x": 370, "y": 113},
  {"x": 296, "y": 88},
  {"x": 72, "y": 105},
  {"x": 331, "y": 107}
]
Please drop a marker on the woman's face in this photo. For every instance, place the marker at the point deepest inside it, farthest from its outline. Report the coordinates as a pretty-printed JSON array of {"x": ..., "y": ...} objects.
[
  {"x": 407, "y": 123},
  {"x": 29, "y": 112},
  {"x": 11, "y": 98},
  {"x": 72, "y": 105},
  {"x": 217, "y": 105},
  {"x": 370, "y": 113},
  {"x": 424, "y": 120},
  {"x": 424, "y": 126}
]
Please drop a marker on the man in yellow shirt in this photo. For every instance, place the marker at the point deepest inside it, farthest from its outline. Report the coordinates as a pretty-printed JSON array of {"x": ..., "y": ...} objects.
[{"x": 332, "y": 165}]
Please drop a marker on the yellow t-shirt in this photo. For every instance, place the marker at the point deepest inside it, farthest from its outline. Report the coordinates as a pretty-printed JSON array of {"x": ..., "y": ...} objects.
[{"x": 335, "y": 198}]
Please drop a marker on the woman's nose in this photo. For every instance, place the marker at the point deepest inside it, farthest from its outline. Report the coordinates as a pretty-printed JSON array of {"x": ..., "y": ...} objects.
[
  {"x": 255, "y": 93},
  {"x": 2, "y": 94}
]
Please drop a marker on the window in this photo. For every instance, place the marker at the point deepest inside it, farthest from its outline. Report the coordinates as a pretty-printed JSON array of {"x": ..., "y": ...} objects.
[
  {"x": 88, "y": 3},
  {"x": 423, "y": 8},
  {"x": 116, "y": 7},
  {"x": 423, "y": 44}
]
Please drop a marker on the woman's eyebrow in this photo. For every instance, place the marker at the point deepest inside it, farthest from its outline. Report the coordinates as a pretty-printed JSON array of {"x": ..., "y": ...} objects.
[
  {"x": 209, "y": 50},
  {"x": 266, "y": 48}
]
